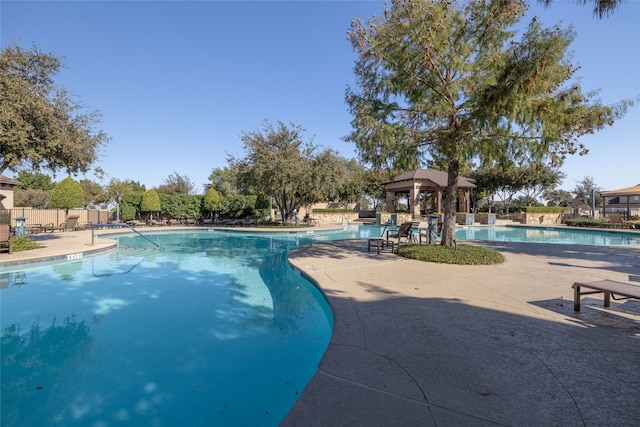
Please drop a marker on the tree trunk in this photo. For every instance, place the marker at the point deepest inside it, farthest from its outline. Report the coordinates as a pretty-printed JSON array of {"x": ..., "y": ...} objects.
[{"x": 449, "y": 226}]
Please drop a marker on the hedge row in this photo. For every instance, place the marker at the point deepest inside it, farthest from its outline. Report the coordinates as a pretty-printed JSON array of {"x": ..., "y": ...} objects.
[
  {"x": 583, "y": 222},
  {"x": 545, "y": 209},
  {"x": 186, "y": 206}
]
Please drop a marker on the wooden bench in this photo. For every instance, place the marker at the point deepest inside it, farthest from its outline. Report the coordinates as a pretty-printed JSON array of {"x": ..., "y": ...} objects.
[{"x": 610, "y": 288}]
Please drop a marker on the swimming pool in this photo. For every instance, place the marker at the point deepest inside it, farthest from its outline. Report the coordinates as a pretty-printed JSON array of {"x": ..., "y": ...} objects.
[
  {"x": 558, "y": 235},
  {"x": 216, "y": 329}
]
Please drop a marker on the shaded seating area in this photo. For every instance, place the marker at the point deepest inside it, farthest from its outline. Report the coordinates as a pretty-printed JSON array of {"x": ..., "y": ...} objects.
[{"x": 422, "y": 185}]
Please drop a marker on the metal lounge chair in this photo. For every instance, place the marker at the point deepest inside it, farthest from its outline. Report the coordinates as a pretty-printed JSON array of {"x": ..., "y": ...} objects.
[
  {"x": 404, "y": 232},
  {"x": 69, "y": 224}
]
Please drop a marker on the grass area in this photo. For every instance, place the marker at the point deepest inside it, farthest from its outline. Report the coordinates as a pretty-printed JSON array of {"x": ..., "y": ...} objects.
[{"x": 463, "y": 254}]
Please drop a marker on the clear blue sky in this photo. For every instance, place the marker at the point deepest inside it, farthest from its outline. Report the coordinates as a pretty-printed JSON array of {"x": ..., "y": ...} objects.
[{"x": 178, "y": 82}]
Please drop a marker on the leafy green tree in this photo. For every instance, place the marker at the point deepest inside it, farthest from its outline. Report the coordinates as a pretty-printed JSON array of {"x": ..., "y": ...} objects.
[
  {"x": 213, "y": 201},
  {"x": 238, "y": 206},
  {"x": 487, "y": 181},
  {"x": 601, "y": 8},
  {"x": 329, "y": 175},
  {"x": 503, "y": 181},
  {"x": 43, "y": 125},
  {"x": 93, "y": 193},
  {"x": 122, "y": 187},
  {"x": 35, "y": 180},
  {"x": 373, "y": 186},
  {"x": 177, "y": 184},
  {"x": 278, "y": 162},
  {"x": 536, "y": 179},
  {"x": 352, "y": 184},
  {"x": 35, "y": 190},
  {"x": 558, "y": 197},
  {"x": 31, "y": 197},
  {"x": 450, "y": 79},
  {"x": 130, "y": 205},
  {"x": 150, "y": 202},
  {"x": 224, "y": 180},
  {"x": 585, "y": 191},
  {"x": 67, "y": 195},
  {"x": 263, "y": 202}
]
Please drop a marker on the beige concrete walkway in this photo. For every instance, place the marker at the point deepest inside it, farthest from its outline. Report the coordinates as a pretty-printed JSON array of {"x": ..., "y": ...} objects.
[{"x": 422, "y": 344}]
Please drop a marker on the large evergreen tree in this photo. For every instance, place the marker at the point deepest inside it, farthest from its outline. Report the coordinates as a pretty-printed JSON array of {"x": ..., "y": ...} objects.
[
  {"x": 601, "y": 8},
  {"x": 449, "y": 79}
]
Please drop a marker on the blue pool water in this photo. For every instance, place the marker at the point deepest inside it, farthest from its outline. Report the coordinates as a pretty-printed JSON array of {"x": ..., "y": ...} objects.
[
  {"x": 571, "y": 236},
  {"x": 216, "y": 329}
]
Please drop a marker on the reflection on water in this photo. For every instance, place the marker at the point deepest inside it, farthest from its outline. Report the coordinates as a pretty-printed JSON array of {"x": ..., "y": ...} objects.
[
  {"x": 214, "y": 330},
  {"x": 547, "y": 235},
  {"x": 36, "y": 366}
]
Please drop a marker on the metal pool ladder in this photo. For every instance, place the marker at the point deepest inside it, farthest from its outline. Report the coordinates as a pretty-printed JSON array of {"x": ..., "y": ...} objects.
[{"x": 93, "y": 227}]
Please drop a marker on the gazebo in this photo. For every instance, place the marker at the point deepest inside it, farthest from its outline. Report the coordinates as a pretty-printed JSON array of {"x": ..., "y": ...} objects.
[
  {"x": 418, "y": 182},
  {"x": 629, "y": 195}
]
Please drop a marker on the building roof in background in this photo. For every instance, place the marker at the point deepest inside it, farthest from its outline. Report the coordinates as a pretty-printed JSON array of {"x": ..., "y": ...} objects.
[
  {"x": 629, "y": 191},
  {"x": 9, "y": 181}
]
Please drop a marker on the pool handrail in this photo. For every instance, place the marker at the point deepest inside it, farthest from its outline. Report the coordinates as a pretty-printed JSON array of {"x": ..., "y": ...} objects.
[{"x": 121, "y": 224}]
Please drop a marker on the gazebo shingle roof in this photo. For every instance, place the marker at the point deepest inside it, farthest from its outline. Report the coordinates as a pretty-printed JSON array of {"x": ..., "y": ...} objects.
[{"x": 437, "y": 177}]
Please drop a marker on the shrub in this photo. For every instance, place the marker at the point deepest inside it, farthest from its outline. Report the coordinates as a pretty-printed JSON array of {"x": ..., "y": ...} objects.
[
  {"x": 129, "y": 206},
  {"x": 332, "y": 211},
  {"x": 22, "y": 243},
  {"x": 462, "y": 254},
  {"x": 545, "y": 209},
  {"x": 583, "y": 222}
]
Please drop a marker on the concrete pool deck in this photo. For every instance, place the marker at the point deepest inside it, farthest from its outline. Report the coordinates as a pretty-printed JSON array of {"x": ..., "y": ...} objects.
[{"x": 423, "y": 344}]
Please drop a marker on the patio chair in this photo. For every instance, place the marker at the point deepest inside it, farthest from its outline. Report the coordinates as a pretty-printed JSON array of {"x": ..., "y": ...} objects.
[
  {"x": 615, "y": 219},
  {"x": 6, "y": 237},
  {"x": 69, "y": 224},
  {"x": 136, "y": 223},
  {"x": 404, "y": 232}
]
